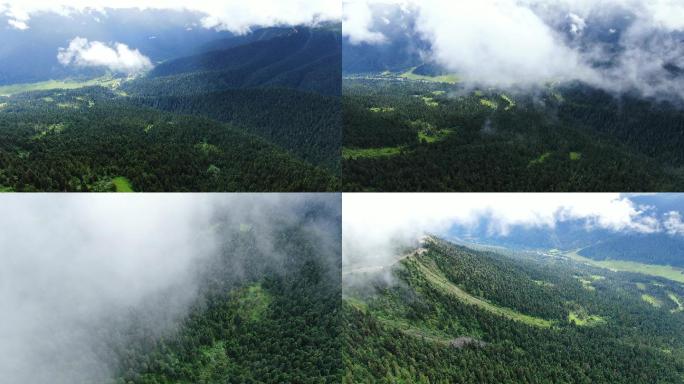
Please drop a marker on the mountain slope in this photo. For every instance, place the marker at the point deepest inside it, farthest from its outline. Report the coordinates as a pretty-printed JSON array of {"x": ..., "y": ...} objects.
[
  {"x": 306, "y": 59},
  {"x": 304, "y": 123},
  {"x": 452, "y": 314},
  {"x": 432, "y": 134},
  {"x": 83, "y": 139},
  {"x": 663, "y": 247},
  {"x": 262, "y": 315}
]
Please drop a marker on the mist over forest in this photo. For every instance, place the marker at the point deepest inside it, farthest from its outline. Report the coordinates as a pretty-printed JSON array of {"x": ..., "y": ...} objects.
[{"x": 86, "y": 281}]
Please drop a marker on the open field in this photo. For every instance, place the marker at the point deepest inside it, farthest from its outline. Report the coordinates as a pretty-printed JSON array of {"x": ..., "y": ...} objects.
[
  {"x": 651, "y": 300},
  {"x": 105, "y": 81},
  {"x": 354, "y": 153},
  {"x": 449, "y": 79},
  {"x": 675, "y": 299},
  {"x": 122, "y": 184},
  {"x": 664, "y": 271},
  {"x": 585, "y": 320}
]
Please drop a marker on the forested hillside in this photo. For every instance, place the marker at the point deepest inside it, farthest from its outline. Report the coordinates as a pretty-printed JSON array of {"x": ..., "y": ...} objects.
[
  {"x": 311, "y": 130},
  {"x": 447, "y": 313},
  {"x": 86, "y": 140},
  {"x": 304, "y": 59},
  {"x": 258, "y": 112},
  {"x": 422, "y": 131},
  {"x": 282, "y": 85},
  {"x": 263, "y": 315}
]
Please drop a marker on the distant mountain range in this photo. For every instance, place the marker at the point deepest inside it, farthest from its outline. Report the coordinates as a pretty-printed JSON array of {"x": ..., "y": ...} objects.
[
  {"x": 661, "y": 247},
  {"x": 300, "y": 58}
]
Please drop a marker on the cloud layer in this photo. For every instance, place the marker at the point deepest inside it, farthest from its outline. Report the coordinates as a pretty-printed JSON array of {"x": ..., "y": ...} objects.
[
  {"x": 77, "y": 273},
  {"x": 375, "y": 224},
  {"x": 117, "y": 57},
  {"x": 618, "y": 45},
  {"x": 233, "y": 15},
  {"x": 70, "y": 264}
]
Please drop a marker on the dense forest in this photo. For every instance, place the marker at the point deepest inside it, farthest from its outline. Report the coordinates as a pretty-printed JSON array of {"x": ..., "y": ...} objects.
[
  {"x": 304, "y": 58},
  {"x": 262, "y": 316},
  {"x": 259, "y": 112},
  {"x": 453, "y": 314},
  {"x": 82, "y": 140},
  {"x": 411, "y": 133},
  {"x": 311, "y": 131}
]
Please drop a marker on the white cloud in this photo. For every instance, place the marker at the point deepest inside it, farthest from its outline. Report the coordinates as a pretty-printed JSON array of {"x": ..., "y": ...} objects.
[
  {"x": 79, "y": 273},
  {"x": 234, "y": 15},
  {"x": 71, "y": 265},
  {"x": 357, "y": 22},
  {"x": 497, "y": 42},
  {"x": 673, "y": 223},
  {"x": 374, "y": 223},
  {"x": 117, "y": 57},
  {"x": 525, "y": 42},
  {"x": 577, "y": 24},
  {"x": 18, "y": 24}
]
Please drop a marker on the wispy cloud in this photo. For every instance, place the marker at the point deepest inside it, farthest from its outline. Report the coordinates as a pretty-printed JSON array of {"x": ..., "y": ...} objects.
[
  {"x": 234, "y": 15},
  {"x": 18, "y": 24},
  {"x": 530, "y": 42},
  {"x": 373, "y": 224},
  {"x": 117, "y": 57}
]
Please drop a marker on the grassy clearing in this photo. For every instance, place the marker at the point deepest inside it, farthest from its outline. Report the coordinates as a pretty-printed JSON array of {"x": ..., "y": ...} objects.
[
  {"x": 641, "y": 286},
  {"x": 574, "y": 156},
  {"x": 122, "y": 184},
  {"x": 433, "y": 137},
  {"x": 583, "y": 319},
  {"x": 508, "y": 100},
  {"x": 540, "y": 160},
  {"x": 440, "y": 282},
  {"x": 105, "y": 81},
  {"x": 449, "y": 79},
  {"x": 206, "y": 148},
  {"x": 358, "y": 153},
  {"x": 381, "y": 109},
  {"x": 588, "y": 280},
  {"x": 430, "y": 102},
  {"x": 489, "y": 103},
  {"x": 678, "y": 303},
  {"x": 213, "y": 360},
  {"x": 651, "y": 300},
  {"x": 356, "y": 303},
  {"x": 438, "y": 93},
  {"x": 252, "y": 302},
  {"x": 407, "y": 328},
  {"x": 586, "y": 284},
  {"x": 68, "y": 105},
  {"x": 557, "y": 96},
  {"x": 403, "y": 325},
  {"x": 665, "y": 271},
  {"x": 543, "y": 283},
  {"x": 44, "y": 130}
]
